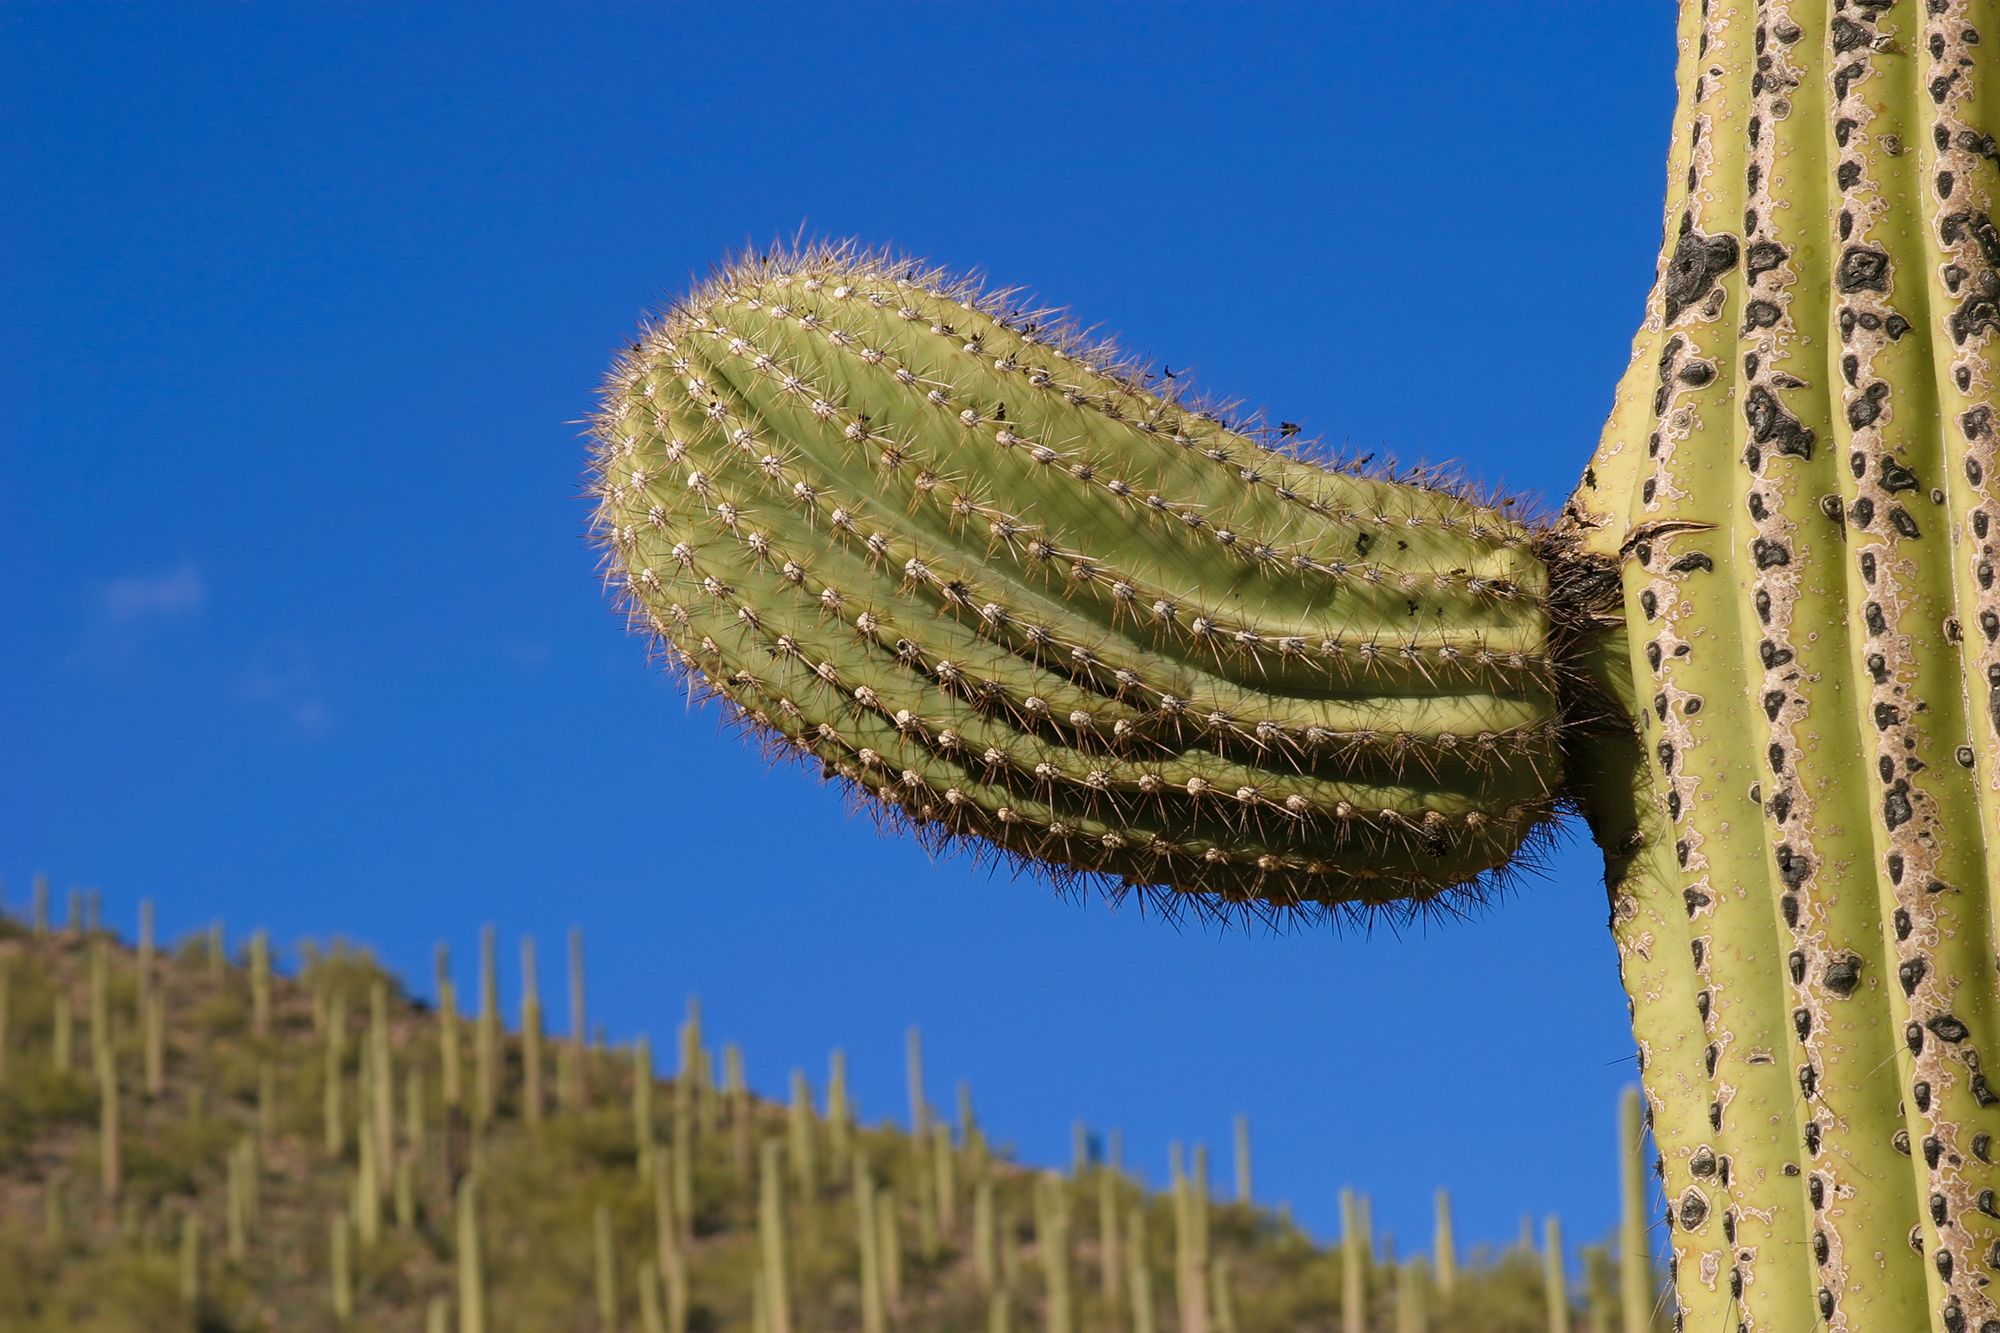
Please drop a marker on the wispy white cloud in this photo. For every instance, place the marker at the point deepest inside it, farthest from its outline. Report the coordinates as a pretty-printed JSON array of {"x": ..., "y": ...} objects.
[
  {"x": 124, "y": 612},
  {"x": 173, "y": 595},
  {"x": 281, "y": 679}
]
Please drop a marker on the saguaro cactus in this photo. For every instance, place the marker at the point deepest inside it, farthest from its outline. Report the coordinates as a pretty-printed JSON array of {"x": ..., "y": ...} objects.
[{"x": 1018, "y": 593}]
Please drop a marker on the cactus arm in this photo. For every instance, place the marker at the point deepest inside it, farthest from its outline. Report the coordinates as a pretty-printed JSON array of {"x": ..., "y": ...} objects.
[{"x": 981, "y": 572}]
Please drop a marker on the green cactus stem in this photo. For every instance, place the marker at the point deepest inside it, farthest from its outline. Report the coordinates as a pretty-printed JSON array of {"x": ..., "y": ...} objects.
[
  {"x": 437, "y": 1315},
  {"x": 1222, "y": 1297},
  {"x": 1555, "y": 1284},
  {"x": 531, "y": 1036},
  {"x": 1110, "y": 1262},
  {"x": 989, "y": 577},
  {"x": 944, "y": 1174},
  {"x": 1190, "y": 1251},
  {"x": 1353, "y": 1267},
  {"x": 333, "y": 1109},
  {"x": 6, "y": 1014},
  {"x": 1444, "y": 1247},
  {"x": 100, "y": 998},
  {"x": 148, "y": 927},
  {"x": 868, "y": 1239},
  {"x": 1000, "y": 1313},
  {"x": 1052, "y": 1246},
  {"x": 736, "y": 1094},
  {"x": 889, "y": 1246},
  {"x": 802, "y": 1131},
  {"x": 985, "y": 1240},
  {"x": 913, "y": 1076},
  {"x": 1243, "y": 1159},
  {"x": 110, "y": 1136},
  {"x": 1600, "y": 1290},
  {"x": 771, "y": 1237},
  {"x": 575, "y": 1092},
  {"x": 1797, "y": 480},
  {"x": 486, "y": 1035},
  {"x": 1138, "y": 1277},
  {"x": 260, "y": 983},
  {"x": 1413, "y": 1297},
  {"x": 240, "y": 1209},
  {"x": 192, "y": 1287},
  {"x": 606, "y": 1268},
  {"x": 642, "y": 1095},
  {"x": 153, "y": 1023},
  {"x": 672, "y": 1258},
  {"x": 449, "y": 1056},
  {"x": 470, "y": 1260},
  {"x": 1635, "y": 1256},
  {"x": 340, "y": 1266},
  {"x": 839, "y": 1112},
  {"x": 381, "y": 1057},
  {"x": 40, "y": 895},
  {"x": 652, "y": 1317}
]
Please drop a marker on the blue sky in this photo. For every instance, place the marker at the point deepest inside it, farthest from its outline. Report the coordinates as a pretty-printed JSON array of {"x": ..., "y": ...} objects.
[{"x": 303, "y": 306}]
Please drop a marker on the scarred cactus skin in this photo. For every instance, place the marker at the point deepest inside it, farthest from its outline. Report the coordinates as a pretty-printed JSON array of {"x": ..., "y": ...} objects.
[{"x": 996, "y": 580}]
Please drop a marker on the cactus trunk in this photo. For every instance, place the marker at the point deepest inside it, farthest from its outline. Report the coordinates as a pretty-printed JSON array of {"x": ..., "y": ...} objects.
[{"x": 1796, "y": 481}]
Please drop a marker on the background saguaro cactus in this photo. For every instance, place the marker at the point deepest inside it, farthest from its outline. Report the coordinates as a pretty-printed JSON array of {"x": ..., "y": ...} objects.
[{"x": 1003, "y": 584}]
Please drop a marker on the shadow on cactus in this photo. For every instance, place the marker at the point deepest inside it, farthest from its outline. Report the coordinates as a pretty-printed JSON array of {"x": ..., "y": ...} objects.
[{"x": 1018, "y": 594}]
